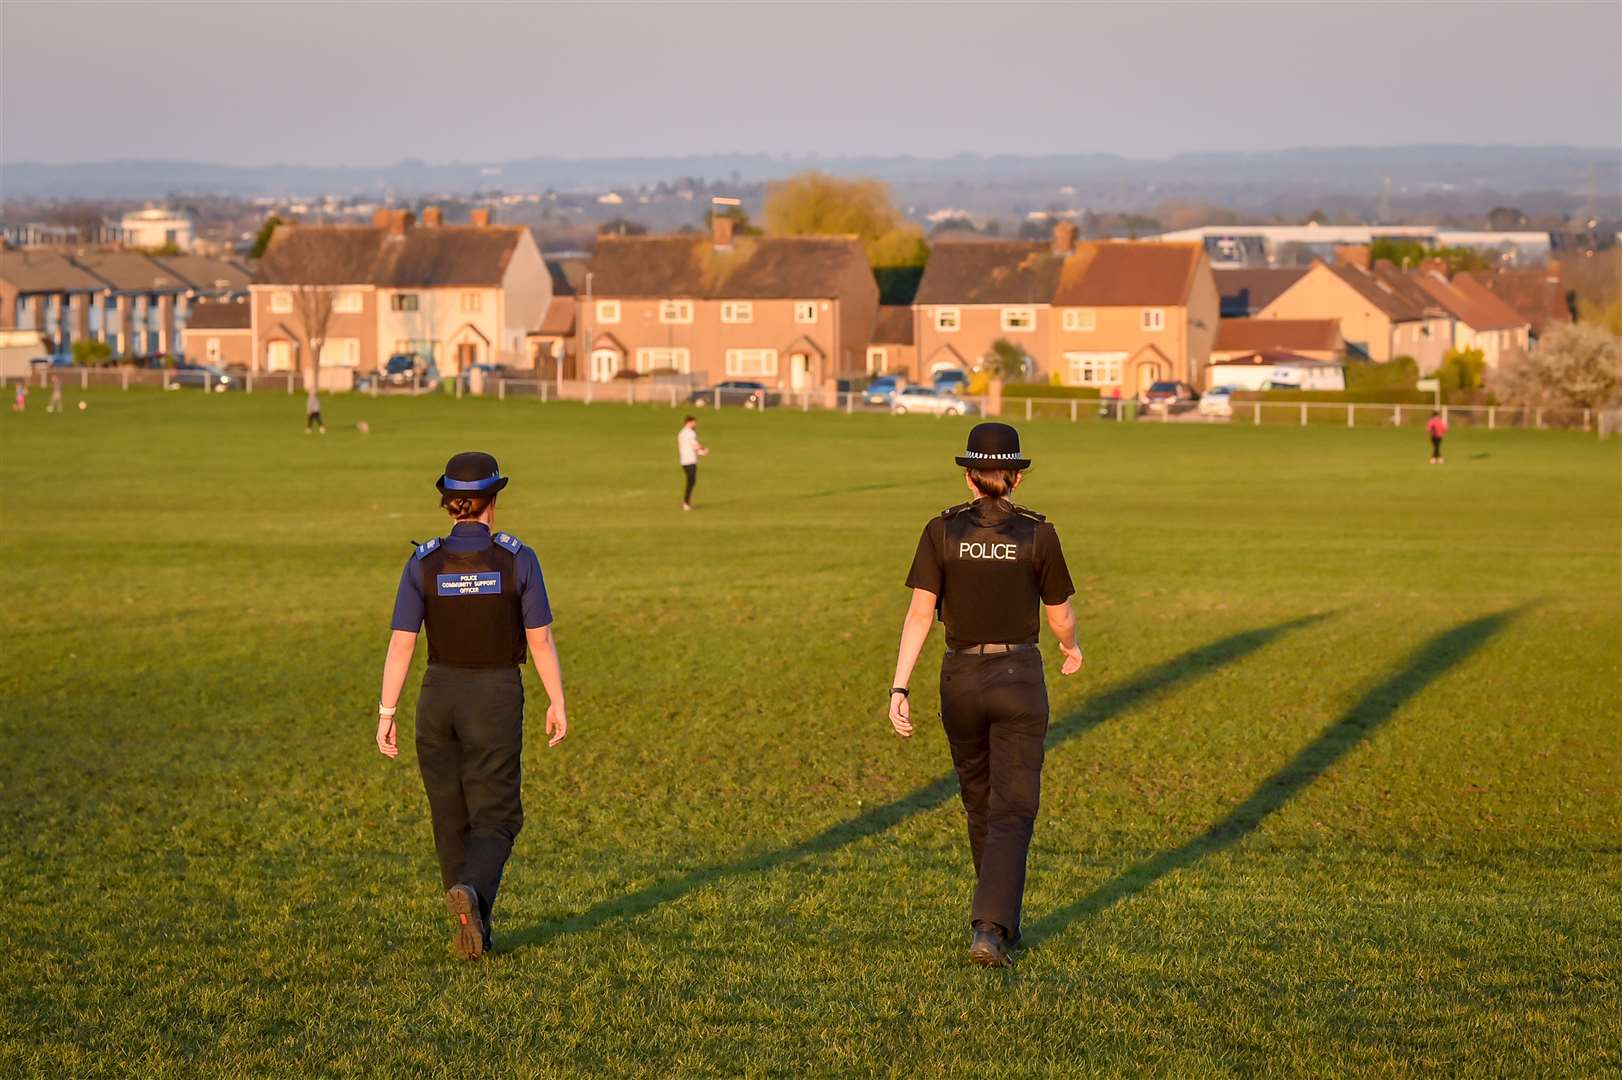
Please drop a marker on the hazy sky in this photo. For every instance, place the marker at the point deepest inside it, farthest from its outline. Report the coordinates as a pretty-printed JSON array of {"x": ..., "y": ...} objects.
[{"x": 371, "y": 83}]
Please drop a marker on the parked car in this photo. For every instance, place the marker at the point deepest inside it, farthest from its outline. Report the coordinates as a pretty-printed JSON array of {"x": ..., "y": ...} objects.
[
  {"x": 929, "y": 399},
  {"x": 1170, "y": 396},
  {"x": 881, "y": 391},
  {"x": 60, "y": 359},
  {"x": 751, "y": 395},
  {"x": 202, "y": 376},
  {"x": 1217, "y": 401},
  {"x": 951, "y": 381},
  {"x": 410, "y": 369}
]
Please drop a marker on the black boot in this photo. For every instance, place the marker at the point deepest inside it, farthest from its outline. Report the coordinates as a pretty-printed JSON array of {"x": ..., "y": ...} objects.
[
  {"x": 990, "y": 947},
  {"x": 468, "y": 940}
]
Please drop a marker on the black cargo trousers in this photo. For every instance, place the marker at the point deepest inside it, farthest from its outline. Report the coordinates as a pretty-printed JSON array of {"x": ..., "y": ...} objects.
[
  {"x": 995, "y": 711},
  {"x": 470, "y": 739}
]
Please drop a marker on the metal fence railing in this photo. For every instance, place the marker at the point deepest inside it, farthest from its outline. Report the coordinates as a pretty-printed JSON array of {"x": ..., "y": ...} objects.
[{"x": 680, "y": 393}]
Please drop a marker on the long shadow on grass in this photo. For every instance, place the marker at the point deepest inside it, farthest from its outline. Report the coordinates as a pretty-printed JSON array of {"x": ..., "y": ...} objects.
[
  {"x": 1180, "y": 669},
  {"x": 1373, "y": 709}
]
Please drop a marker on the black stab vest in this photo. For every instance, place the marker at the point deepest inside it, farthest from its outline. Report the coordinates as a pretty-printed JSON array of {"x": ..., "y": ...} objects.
[
  {"x": 990, "y": 592},
  {"x": 471, "y": 607}
]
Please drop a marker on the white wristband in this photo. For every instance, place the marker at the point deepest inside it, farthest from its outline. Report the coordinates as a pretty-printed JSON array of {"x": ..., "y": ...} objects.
[{"x": 387, "y": 710}]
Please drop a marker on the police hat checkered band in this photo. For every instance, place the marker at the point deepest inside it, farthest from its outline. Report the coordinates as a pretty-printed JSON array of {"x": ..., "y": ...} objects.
[
  {"x": 469, "y": 485},
  {"x": 1015, "y": 456}
]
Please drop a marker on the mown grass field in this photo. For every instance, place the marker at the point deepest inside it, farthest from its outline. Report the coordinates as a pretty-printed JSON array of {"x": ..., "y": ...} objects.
[{"x": 1339, "y": 791}]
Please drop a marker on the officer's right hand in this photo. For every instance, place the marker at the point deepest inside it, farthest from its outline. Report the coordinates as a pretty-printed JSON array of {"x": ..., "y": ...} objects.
[
  {"x": 900, "y": 715},
  {"x": 387, "y": 744}
]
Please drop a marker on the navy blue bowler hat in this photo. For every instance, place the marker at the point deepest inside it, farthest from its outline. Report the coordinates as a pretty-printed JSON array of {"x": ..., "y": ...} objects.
[
  {"x": 471, "y": 473},
  {"x": 993, "y": 446}
]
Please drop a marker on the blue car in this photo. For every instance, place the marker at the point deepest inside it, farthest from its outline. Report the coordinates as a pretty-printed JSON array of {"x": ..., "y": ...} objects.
[
  {"x": 951, "y": 381},
  {"x": 60, "y": 359},
  {"x": 881, "y": 391}
]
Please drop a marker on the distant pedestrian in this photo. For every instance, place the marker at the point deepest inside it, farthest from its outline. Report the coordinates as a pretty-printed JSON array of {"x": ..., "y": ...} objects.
[
  {"x": 312, "y": 413},
  {"x": 987, "y": 568},
  {"x": 1436, "y": 429},
  {"x": 689, "y": 450},
  {"x": 20, "y": 401},
  {"x": 55, "y": 404}
]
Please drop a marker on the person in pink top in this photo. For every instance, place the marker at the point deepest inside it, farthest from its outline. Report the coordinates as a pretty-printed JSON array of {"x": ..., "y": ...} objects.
[{"x": 1436, "y": 428}]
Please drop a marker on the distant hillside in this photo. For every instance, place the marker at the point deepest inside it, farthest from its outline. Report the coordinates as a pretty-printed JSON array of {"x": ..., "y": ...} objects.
[{"x": 1507, "y": 169}]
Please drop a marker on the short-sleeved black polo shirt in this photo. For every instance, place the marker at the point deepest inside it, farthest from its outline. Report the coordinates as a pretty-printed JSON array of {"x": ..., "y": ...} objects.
[{"x": 992, "y": 567}]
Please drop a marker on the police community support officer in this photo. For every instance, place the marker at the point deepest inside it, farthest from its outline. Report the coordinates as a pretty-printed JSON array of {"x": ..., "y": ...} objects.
[
  {"x": 482, "y": 598},
  {"x": 985, "y": 567}
]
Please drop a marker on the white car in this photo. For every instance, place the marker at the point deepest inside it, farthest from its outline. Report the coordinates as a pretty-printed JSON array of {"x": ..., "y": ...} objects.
[
  {"x": 927, "y": 399},
  {"x": 1217, "y": 401}
]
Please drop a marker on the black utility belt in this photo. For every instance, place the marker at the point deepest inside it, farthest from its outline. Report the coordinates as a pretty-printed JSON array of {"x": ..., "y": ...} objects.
[{"x": 989, "y": 650}]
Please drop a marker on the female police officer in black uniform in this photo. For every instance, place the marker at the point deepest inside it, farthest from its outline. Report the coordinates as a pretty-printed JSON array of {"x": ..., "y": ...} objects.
[
  {"x": 483, "y": 599},
  {"x": 986, "y": 566}
]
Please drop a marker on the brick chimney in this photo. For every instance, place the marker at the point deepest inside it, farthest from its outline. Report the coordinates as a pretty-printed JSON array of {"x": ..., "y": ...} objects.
[
  {"x": 401, "y": 221},
  {"x": 1352, "y": 255},
  {"x": 721, "y": 228},
  {"x": 382, "y": 217},
  {"x": 481, "y": 217},
  {"x": 1064, "y": 237},
  {"x": 432, "y": 217},
  {"x": 1435, "y": 266}
]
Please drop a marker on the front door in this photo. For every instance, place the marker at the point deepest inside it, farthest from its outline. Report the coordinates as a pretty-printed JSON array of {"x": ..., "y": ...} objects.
[
  {"x": 279, "y": 356},
  {"x": 604, "y": 363},
  {"x": 799, "y": 371},
  {"x": 1148, "y": 375},
  {"x": 467, "y": 354}
]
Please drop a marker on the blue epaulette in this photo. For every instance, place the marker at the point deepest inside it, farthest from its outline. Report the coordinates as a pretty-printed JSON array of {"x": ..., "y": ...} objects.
[
  {"x": 508, "y": 541},
  {"x": 426, "y": 548}
]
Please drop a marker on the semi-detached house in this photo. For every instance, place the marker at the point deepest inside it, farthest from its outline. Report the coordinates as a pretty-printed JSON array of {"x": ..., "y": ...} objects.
[
  {"x": 460, "y": 294},
  {"x": 793, "y": 312},
  {"x": 1111, "y": 315}
]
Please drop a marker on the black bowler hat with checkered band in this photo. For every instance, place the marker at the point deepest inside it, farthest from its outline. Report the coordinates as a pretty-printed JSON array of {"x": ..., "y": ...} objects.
[
  {"x": 993, "y": 446},
  {"x": 471, "y": 473}
]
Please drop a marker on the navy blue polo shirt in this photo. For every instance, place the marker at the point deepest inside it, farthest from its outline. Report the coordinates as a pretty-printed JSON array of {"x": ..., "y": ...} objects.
[{"x": 467, "y": 536}]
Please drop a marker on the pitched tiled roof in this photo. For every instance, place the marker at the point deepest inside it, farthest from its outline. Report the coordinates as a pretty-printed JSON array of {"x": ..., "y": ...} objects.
[
  {"x": 1235, "y": 335},
  {"x": 1470, "y": 303},
  {"x": 1539, "y": 295},
  {"x": 422, "y": 257},
  {"x": 894, "y": 326},
  {"x": 208, "y": 274},
  {"x": 559, "y": 318},
  {"x": 220, "y": 315},
  {"x": 568, "y": 276},
  {"x": 990, "y": 272},
  {"x": 1251, "y": 290},
  {"x": 45, "y": 271},
  {"x": 1274, "y": 356},
  {"x": 754, "y": 268},
  {"x": 130, "y": 271},
  {"x": 1128, "y": 275},
  {"x": 1397, "y": 303}
]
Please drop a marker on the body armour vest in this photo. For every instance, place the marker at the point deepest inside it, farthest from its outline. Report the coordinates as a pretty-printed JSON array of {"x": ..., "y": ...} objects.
[
  {"x": 990, "y": 591},
  {"x": 471, "y": 607}
]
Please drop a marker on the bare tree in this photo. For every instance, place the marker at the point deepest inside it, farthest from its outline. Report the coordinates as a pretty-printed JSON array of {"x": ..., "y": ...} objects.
[{"x": 316, "y": 264}]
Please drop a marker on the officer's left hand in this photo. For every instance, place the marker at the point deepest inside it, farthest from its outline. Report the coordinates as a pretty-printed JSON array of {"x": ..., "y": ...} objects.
[
  {"x": 387, "y": 744},
  {"x": 900, "y": 715},
  {"x": 557, "y": 724}
]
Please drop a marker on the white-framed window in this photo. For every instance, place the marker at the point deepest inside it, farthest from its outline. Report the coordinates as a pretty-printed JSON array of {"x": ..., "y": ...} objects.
[
  {"x": 751, "y": 361},
  {"x": 472, "y": 301},
  {"x": 404, "y": 301},
  {"x": 656, "y": 359},
  {"x": 340, "y": 352},
  {"x": 421, "y": 346},
  {"x": 737, "y": 311},
  {"x": 211, "y": 348},
  {"x": 947, "y": 319},
  {"x": 877, "y": 359},
  {"x": 348, "y": 302},
  {"x": 675, "y": 311},
  {"x": 1153, "y": 318},
  {"x": 1019, "y": 320},
  {"x": 608, "y": 311},
  {"x": 281, "y": 302},
  {"x": 1095, "y": 369},
  {"x": 1080, "y": 318},
  {"x": 805, "y": 311}
]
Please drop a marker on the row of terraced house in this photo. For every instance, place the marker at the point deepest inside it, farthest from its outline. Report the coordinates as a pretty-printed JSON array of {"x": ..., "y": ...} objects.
[{"x": 803, "y": 313}]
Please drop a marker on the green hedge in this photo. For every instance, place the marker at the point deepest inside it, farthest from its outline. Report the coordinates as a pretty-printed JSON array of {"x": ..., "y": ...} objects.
[{"x": 1043, "y": 390}]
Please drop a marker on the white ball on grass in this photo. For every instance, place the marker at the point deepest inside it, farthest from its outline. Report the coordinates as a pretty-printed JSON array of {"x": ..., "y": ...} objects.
[{"x": 84, "y": 405}]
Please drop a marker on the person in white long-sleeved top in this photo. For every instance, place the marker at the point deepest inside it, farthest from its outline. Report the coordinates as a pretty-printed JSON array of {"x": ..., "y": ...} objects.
[{"x": 689, "y": 449}]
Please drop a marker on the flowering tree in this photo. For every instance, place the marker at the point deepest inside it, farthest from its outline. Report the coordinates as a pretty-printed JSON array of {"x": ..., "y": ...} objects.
[{"x": 1577, "y": 366}]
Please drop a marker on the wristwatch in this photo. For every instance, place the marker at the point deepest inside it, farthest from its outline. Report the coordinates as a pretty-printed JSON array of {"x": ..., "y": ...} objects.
[{"x": 902, "y": 690}]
